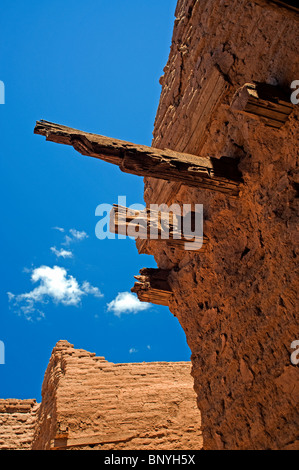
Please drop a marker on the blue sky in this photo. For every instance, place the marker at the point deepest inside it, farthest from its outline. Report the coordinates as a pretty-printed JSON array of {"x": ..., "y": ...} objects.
[{"x": 93, "y": 65}]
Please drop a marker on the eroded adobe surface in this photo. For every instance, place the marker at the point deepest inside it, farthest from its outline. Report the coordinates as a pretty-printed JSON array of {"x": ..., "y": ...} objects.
[
  {"x": 237, "y": 301},
  {"x": 17, "y": 423},
  {"x": 88, "y": 402}
]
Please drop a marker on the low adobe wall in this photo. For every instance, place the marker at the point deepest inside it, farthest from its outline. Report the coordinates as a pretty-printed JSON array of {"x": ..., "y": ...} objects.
[
  {"x": 88, "y": 402},
  {"x": 17, "y": 423}
]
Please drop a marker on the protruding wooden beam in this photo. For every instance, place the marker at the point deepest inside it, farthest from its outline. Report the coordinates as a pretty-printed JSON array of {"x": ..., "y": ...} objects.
[
  {"x": 202, "y": 172},
  {"x": 152, "y": 286},
  {"x": 266, "y": 102},
  {"x": 171, "y": 228}
]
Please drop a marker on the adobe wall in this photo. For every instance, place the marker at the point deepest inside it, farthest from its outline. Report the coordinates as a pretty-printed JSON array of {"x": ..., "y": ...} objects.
[
  {"x": 88, "y": 402},
  {"x": 238, "y": 301},
  {"x": 17, "y": 423}
]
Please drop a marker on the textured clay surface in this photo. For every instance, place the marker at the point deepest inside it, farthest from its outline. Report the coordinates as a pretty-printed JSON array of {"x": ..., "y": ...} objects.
[
  {"x": 17, "y": 423},
  {"x": 97, "y": 404},
  {"x": 238, "y": 301}
]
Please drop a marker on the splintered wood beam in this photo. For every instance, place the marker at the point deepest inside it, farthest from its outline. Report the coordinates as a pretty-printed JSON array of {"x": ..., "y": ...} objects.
[
  {"x": 266, "y": 102},
  {"x": 177, "y": 231},
  {"x": 152, "y": 286},
  {"x": 217, "y": 174}
]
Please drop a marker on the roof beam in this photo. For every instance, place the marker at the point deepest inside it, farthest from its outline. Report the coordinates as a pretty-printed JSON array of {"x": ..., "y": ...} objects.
[
  {"x": 175, "y": 230},
  {"x": 152, "y": 286},
  {"x": 265, "y": 102},
  {"x": 217, "y": 174}
]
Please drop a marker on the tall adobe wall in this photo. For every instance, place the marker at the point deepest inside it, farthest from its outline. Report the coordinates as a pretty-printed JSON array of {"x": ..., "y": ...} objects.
[
  {"x": 237, "y": 301},
  {"x": 88, "y": 402}
]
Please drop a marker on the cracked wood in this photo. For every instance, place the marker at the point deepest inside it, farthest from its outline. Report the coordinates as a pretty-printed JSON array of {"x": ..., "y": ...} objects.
[
  {"x": 266, "y": 102},
  {"x": 152, "y": 286},
  {"x": 149, "y": 224},
  {"x": 206, "y": 172}
]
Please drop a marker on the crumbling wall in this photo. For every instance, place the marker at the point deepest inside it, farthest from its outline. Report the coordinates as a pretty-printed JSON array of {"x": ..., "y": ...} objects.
[
  {"x": 17, "y": 424},
  {"x": 237, "y": 301},
  {"x": 88, "y": 402}
]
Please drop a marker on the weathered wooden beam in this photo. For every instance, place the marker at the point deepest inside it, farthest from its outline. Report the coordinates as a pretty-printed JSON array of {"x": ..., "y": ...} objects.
[
  {"x": 266, "y": 102},
  {"x": 203, "y": 172},
  {"x": 173, "y": 229},
  {"x": 153, "y": 286}
]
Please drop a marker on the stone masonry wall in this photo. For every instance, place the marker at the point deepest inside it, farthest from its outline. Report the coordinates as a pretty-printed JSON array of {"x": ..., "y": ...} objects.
[
  {"x": 238, "y": 301},
  {"x": 17, "y": 423},
  {"x": 88, "y": 402}
]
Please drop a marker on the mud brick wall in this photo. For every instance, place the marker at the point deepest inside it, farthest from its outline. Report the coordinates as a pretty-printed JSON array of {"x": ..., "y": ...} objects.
[
  {"x": 238, "y": 301},
  {"x": 88, "y": 402},
  {"x": 17, "y": 424}
]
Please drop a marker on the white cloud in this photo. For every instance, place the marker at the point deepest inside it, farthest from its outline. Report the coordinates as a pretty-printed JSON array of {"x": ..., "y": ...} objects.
[
  {"x": 10, "y": 296},
  {"x": 133, "y": 350},
  {"x": 73, "y": 236},
  {"x": 25, "y": 307},
  {"x": 67, "y": 241},
  {"x": 89, "y": 289},
  {"x": 125, "y": 302},
  {"x": 54, "y": 285},
  {"x": 76, "y": 235},
  {"x": 61, "y": 253}
]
